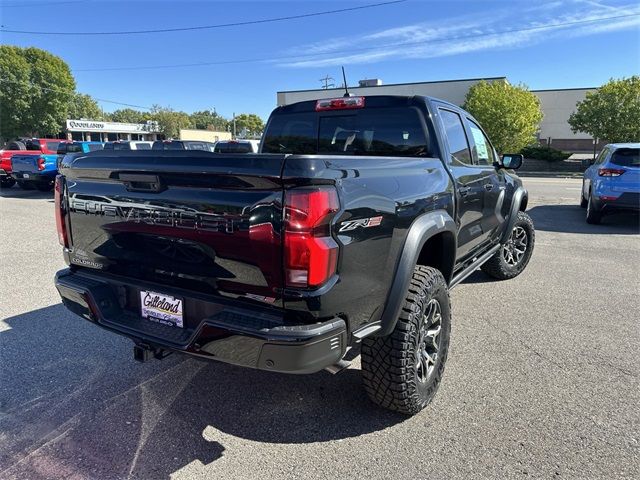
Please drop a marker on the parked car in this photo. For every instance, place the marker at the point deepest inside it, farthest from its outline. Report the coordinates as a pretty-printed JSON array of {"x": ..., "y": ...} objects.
[
  {"x": 612, "y": 183},
  {"x": 30, "y": 146},
  {"x": 183, "y": 145},
  {"x": 351, "y": 227},
  {"x": 237, "y": 146},
  {"x": 74, "y": 147},
  {"x": 36, "y": 166},
  {"x": 127, "y": 145}
]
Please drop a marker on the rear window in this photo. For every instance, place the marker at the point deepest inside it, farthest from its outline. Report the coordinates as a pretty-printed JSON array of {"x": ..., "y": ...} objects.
[
  {"x": 53, "y": 146},
  {"x": 95, "y": 146},
  {"x": 74, "y": 148},
  {"x": 161, "y": 145},
  {"x": 34, "y": 146},
  {"x": 143, "y": 146},
  {"x": 374, "y": 131},
  {"x": 626, "y": 157},
  {"x": 233, "y": 147},
  {"x": 62, "y": 148}
]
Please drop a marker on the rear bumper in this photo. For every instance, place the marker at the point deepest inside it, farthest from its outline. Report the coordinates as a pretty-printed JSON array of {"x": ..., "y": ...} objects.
[
  {"x": 39, "y": 177},
  {"x": 628, "y": 201},
  {"x": 228, "y": 333}
]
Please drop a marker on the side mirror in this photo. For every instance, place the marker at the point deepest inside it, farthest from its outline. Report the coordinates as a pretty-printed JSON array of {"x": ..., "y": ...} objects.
[{"x": 512, "y": 160}]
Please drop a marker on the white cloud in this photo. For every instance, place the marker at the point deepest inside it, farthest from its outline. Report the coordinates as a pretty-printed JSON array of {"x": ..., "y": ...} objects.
[{"x": 469, "y": 34}]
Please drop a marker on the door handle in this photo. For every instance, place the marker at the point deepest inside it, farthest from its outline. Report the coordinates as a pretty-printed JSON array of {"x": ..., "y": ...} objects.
[
  {"x": 488, "y": 187},
  {"x": 464, "y": 191}
]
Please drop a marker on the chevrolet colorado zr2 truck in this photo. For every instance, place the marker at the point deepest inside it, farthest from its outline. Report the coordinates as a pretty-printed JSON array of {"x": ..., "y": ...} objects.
[{"x": 350, "y": 226}]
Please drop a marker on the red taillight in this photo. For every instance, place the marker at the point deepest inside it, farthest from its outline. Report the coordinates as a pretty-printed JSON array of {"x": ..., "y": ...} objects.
[
  {"x": 41, "y": 162},
  {"x": 311, "y": 254},
  {"x": 60, "y": 212},
  {"x": 343, "y": 103},
  {"x": 610, "y": 172}
]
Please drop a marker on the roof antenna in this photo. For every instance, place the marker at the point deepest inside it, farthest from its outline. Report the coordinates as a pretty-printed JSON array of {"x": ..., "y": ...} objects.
[{"x": 346, "y": 90}]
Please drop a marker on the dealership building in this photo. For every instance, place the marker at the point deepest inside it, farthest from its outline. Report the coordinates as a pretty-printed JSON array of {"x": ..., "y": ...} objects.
[
  {"x": 556, "y": 104},
  {"x": 99, "y": 131}
]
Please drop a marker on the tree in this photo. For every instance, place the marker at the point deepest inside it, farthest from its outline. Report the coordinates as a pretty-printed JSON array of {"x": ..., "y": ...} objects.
[
  {"x": 250, "y": 123},
  {"x": 207, "y": 120},
  {"x": 52, "y": 88},
  {"x": 14, "y": 92},
  {"x": 169, "y": 121},
  {"x": 611, "y": 113},
  {"x": 83, "y": 106},
  {"x": 128, "y": 115},
  {"x": 510, "y": 114}
]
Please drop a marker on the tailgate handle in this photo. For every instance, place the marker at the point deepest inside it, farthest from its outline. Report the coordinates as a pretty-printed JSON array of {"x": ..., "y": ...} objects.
[{"x": 138, "y": 182}]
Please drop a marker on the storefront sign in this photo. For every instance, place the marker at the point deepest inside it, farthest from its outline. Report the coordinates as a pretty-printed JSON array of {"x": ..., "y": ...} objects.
[{"x": 110, "y": 127}]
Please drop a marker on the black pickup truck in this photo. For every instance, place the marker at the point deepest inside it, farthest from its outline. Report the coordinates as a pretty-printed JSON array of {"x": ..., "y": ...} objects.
[{"x": 350, "y": 226}]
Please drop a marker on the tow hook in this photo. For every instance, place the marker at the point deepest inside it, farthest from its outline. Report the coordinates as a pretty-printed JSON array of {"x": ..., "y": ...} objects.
[{"x": 143, "y": 352}]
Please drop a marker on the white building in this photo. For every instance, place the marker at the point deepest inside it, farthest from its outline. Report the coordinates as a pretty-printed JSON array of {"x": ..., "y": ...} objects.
[
  {"x": 556, "y": 105},
  {"x": 99, "y": 131}
]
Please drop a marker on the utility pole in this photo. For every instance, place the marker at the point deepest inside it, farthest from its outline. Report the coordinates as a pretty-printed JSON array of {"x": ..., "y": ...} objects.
[
  {"x": 326, "y": 82},
  {"x": 234, "y": 125}
]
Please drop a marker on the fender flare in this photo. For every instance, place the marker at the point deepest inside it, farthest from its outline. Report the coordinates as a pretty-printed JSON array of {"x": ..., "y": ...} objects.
[
  {"x": 420, "y": 231},
  {"x": 518, "y": 196}
]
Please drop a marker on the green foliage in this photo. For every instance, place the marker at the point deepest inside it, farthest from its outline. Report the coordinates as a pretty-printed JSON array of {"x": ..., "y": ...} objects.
[
  {"x": 611, "y": 113},
  {"x": 248, "y": 124},
  {"x": 169, "y": 121},
  {"x": 510, "y": 114},
  {"x": 14, "y": 92},
  {"x": 542, "y": 152},
  {"x": 51, "y": 89},
  {"x": 128, "y": 115},
  {"x": 208, "y": 120},
  {"x": 83, "y": 106}
]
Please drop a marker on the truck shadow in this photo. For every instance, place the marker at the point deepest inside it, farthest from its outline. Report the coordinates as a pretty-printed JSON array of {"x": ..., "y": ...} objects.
[
  {"x": 17, "y": 192},
  {"x": 571, "y": 219},
  {"x": 74, "y": 400}
]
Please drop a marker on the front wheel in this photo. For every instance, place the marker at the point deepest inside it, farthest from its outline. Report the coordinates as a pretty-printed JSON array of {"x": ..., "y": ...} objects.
[
  {"x": 514, "y": 255},
  {"x": 402, "y": 371}
]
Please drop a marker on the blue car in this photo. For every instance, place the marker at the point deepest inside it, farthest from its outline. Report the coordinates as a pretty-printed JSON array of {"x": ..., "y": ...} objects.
[
  {"x": 612, "y": 183},
  {"x": 77, "y": 147}
]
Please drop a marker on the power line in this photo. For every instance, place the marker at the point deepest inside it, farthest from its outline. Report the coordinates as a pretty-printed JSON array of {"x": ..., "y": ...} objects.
[
  {"x": 352, "y": 50},
  {"x": 69, "y": 92},
  {"x": 209, "y": 27}
]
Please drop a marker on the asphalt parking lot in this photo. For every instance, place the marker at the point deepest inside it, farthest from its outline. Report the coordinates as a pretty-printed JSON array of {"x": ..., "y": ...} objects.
[{"x": 542, "y": 379}]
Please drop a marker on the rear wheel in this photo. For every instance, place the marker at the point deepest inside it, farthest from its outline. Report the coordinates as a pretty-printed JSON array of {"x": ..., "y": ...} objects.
[
  {"x": 402, "y": 371},
  {"x": 514, "y": 255},
  {"x": 7, "y": 182},
  {"x": 583, "y": 201},
  {"x": 593, "y": 215}
]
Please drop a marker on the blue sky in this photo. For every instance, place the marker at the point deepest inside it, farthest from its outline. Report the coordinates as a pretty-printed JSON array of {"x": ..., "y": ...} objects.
[{"x": 415, "y": 40}]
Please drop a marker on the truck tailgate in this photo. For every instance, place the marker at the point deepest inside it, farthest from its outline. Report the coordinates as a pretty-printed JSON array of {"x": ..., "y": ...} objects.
[
  {"x": 25, "y": 163},
  {"x": 190, "y": 219}
]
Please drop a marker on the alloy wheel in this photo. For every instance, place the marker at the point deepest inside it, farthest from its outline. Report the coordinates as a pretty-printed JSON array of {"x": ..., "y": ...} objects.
[
  {"x": 428, "y": 341},
  {"x": 513, "y": 251}
]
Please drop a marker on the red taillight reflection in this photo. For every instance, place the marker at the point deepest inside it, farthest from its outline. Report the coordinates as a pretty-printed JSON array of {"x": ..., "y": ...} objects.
[
  {"x": 41, "y": 163},
  {"x": 59, "y": 208},
  {"x": 311, "y": 254},
  {"x": 343, "y": 103},
  {"x": 610, "y": 172}
]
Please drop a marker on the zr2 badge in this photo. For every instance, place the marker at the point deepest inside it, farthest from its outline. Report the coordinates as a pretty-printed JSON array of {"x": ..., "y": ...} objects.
[{"x": 360, "y": 223}]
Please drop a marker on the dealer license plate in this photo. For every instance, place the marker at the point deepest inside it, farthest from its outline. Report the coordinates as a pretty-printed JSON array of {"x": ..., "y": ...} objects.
[{"x": 161, "y": 308}]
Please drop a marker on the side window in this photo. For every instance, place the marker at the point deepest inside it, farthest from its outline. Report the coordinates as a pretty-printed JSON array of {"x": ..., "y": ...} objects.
[
  {"x": 601, "y": 157},
  {"x": 456, "y": 138},
  {"x": 483, "y": 147}
]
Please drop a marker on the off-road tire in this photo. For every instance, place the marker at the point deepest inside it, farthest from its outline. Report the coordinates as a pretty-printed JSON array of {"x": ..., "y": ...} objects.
[
  {"x": 593, "y": 216},
  {"x": 390, "y": 369},
  {"x": 498, "y": 266}
]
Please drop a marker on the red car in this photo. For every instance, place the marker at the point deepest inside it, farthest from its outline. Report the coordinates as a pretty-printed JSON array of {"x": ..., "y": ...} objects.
[{"x": 33, "y": 146}]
